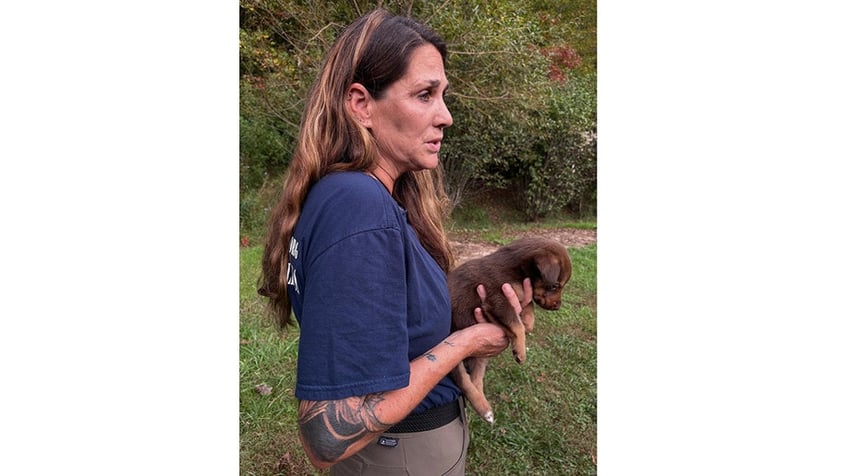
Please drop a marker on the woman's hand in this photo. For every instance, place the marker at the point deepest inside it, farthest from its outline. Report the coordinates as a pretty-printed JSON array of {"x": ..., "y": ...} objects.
[
  {"x": 485, "y": 339},
  {"x": 509, "y": 292},
  {"x": 491, "y": 339}
]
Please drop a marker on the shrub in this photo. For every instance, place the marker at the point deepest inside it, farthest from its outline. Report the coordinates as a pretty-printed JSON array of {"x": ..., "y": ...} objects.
[
  {"x": 561, "y": 170},
  {"x": 262, "y": 149}
]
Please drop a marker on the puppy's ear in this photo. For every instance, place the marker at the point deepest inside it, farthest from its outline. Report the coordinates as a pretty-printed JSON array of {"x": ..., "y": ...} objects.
[{"x": 549, "y": 267}]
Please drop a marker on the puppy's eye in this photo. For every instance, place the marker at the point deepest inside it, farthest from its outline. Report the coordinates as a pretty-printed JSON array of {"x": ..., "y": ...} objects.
[{"x": 553, "y": 287}]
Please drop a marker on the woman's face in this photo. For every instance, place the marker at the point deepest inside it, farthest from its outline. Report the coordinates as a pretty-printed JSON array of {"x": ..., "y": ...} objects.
[{"x": 407, "y": 122}]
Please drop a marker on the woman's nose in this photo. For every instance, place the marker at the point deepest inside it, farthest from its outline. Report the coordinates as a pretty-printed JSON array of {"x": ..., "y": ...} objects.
[{"x": 444, "y": 117}]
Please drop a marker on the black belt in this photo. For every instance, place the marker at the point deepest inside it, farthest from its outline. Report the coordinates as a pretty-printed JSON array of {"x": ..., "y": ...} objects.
[{"x": 428, "y": 419}]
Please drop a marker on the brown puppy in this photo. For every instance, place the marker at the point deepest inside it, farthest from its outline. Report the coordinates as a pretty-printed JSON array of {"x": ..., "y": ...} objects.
[{"x": 544, "y": 261}]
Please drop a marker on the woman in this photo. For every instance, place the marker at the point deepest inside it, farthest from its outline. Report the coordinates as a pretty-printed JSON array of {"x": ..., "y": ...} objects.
[{"x": 357, "y": 249}]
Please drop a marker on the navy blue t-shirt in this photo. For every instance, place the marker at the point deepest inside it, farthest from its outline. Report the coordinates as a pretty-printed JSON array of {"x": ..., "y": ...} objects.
[{"x": 367, "y": 296}]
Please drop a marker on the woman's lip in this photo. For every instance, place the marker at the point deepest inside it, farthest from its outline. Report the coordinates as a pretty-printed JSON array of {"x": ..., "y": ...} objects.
[{"x": 435, "y": 145}]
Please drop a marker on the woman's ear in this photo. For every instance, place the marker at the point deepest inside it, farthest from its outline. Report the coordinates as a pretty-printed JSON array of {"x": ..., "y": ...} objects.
[{"x": 359, "y": 102}]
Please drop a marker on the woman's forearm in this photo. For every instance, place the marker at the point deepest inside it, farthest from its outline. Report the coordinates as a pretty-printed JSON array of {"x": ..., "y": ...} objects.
[
  {"x": 330, "y": 431},
  {"x": 335, "y": 429}
]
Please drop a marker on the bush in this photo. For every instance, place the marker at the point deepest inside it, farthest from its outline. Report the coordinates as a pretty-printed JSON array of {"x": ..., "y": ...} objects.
[
  {"x": 547, "y": 153},
  {"x": 255, "y": 205},
  {"x": 262, "y": 149},
  {"x": 561, "y": 171}
]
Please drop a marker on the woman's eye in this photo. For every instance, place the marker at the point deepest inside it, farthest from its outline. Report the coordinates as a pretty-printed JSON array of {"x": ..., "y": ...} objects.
[{"x": 425, "y": 96}]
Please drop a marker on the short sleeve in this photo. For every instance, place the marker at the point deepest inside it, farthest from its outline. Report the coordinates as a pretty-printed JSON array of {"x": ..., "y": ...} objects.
[{"x": 353, "y": 324}]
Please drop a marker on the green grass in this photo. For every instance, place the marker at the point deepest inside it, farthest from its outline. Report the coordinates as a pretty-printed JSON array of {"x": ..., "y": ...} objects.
[{"x": 545, "y": 409}]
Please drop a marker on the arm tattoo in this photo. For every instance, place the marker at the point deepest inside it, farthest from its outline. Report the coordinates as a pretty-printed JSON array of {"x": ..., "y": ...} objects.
[
  {"x": 430, "y": 356},
  {"x": 331, "y": 427}
]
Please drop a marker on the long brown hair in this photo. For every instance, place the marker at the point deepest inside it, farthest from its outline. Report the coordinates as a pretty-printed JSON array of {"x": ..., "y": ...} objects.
[{"x": 373, "y": 51}]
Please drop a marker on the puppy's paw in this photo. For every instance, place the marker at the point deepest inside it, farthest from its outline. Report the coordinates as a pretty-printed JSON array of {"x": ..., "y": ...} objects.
[
  {"x": 520, "y": 357},
  {"x": 489, "y": 417}
]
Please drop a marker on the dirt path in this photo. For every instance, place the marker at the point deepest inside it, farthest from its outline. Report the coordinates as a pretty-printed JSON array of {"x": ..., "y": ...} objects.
[{"x": 570, "y": 237}]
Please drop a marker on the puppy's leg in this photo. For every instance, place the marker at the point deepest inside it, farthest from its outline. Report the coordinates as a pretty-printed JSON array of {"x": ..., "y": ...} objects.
[
  {"x": 473, "y": 394},
  {"x": 528, "y": 314},
  {"x": 505, "y": 315},
  {"x": 519, "y": 345},
  {"x": 517, "y": 337},
  {"x": 477, "y": 369},
  {"x": 528, "y": 317}
]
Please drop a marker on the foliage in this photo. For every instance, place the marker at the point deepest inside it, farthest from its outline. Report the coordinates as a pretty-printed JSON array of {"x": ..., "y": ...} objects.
[
  {"x": 569, "y": 25},
  {"x": 513, "y": 68},
  {"x": 561, "y": 170}
]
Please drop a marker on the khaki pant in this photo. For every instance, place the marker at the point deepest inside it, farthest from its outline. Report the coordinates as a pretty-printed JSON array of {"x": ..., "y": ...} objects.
[{"x": 427, "y": 453}]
